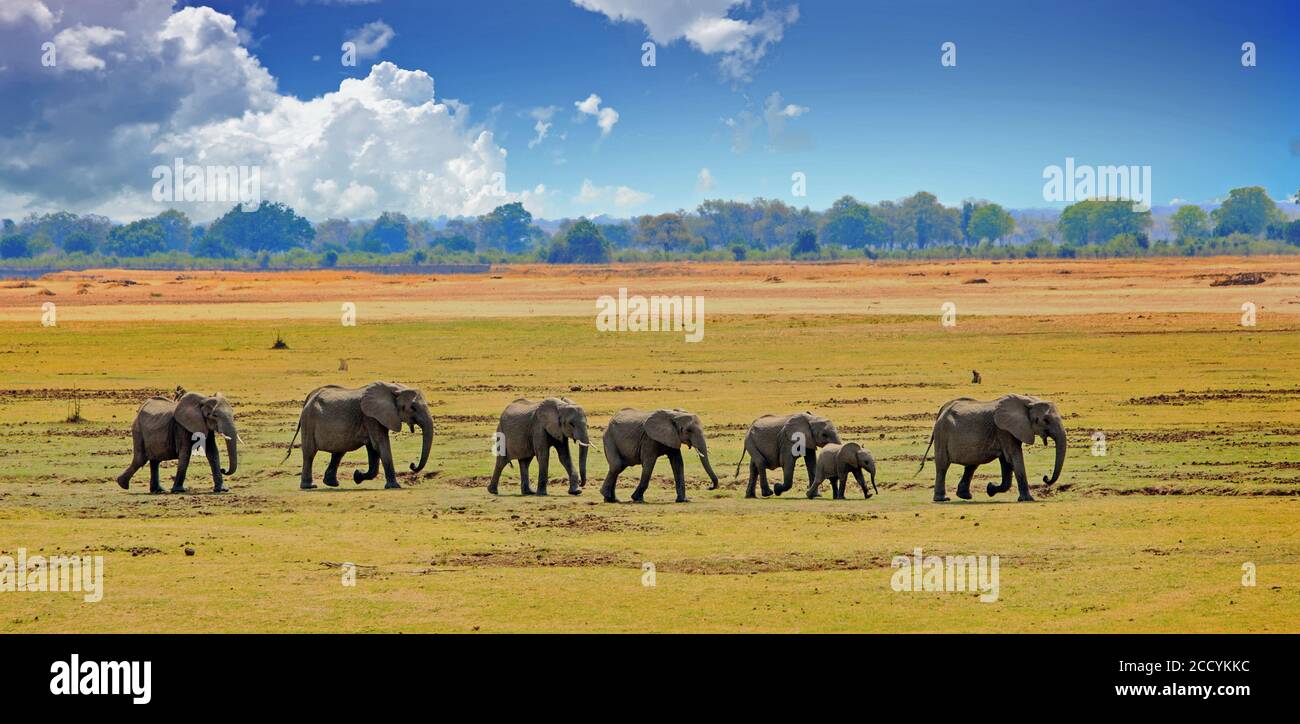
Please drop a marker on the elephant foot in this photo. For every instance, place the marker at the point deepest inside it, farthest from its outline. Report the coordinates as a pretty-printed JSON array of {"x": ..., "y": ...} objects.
[
  {"x": 610, "y": 499},
  {"x": 307, "y": 486},
  {"x": 178, "y": 489},
  {"x": 941, "y": 499},
  {"x": 541, "y": 491},
  {"x": 332, "y": 482},
  {"x": 391, "y": 485},
  {"x": 638, "y": 498},
  {"x": 220, "y": 489},
  {"x": 1026, "y": 498},
  {"x": 683, "y": 499},
  {"x": 767, "y": 493},
  {"x": 492, "y": 489},
  {"x": 963, "y": 493},
  {"x": 526, "y": 491},
  {"x": 123, "y": 482},
  {"x": 713, "y": 487},
  {"x": 156, "y": 491},
  {"x": 575, "y": 491},
  {"x": 993, "y": 490}
]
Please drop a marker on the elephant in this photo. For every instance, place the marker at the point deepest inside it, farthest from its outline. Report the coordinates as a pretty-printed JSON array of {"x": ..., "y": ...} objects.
[
  {"x": 530, "y": 429},
  {"x": 971, "y": 433},
  {"x": 634, "y": 437},
  {"x": 837, "y": 462},
  {"x": 174, "y": 429},
  {"x": 338, "y": 420},
  {"x": 773, "y": 441}
]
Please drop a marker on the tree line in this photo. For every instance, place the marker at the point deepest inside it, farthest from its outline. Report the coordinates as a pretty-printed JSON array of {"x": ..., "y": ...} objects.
[{"x": 274, "y": 235}]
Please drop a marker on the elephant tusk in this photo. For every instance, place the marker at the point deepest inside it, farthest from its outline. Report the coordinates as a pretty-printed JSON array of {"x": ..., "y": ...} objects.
[{"x": 583, "y": 444}]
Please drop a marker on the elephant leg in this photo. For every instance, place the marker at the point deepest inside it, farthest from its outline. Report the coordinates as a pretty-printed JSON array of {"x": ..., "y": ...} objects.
[
  {"x": 1018, "y": 466},
  {"x": 502, "y": 462},
  {"x": 940, "y": 473},
  {"x": 647, "y": 468},
  {"x": 137, "y": 461},
  {"x": 524, "y": 487},
  {"x": 787, "y": 473},
  {"x": 308, "y": 456},
  {"x": 182, "y": 463},
  {"x": 810, "y": 462},
  {"x": 862, "y": 483},
  {"x": 543, "y": 467},
  {"x": 963, "y": 488},
  {"x": 562, "y": 451},
  {"x": 214, "y": 462},
  {"x": 679, "y": 474},
  {"x": 332, "y": 470},
  {"x": 753, "y": 480},
  {"x": 154, "y": 487},
  {"x": 386, "y": 459},
  {"x": 372, "y": 466},
  {"x": 1006, "y": 478},
  {"x": 611, "y": 479}
]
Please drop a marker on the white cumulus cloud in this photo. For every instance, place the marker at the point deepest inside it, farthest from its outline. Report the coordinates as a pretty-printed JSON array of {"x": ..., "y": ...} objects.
[
  {"x": 707, "y": 25},
  {"x": 371, "y": 38},
  {"x": 603, "y": 199},
  {"x": 378, "y": 143},
  {"x": 705, "y": 181},
  {"x": 606, "y": 117}
]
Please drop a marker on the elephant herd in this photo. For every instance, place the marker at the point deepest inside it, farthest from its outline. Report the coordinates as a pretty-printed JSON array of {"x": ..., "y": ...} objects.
[{"x": 338, "y": 420}]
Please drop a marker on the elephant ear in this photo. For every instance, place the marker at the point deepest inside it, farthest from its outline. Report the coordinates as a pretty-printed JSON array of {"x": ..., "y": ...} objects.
[
  {"x": 379, "y": 401},
  {"x": 798, "y": 423},
  {"x": 192, "y": 411},
  {"x": 847, "y": 458},
  {"x": 661, "y": 428},
  {"x": 548, "y": 413},
  {"x": 1012, "y": 415}
]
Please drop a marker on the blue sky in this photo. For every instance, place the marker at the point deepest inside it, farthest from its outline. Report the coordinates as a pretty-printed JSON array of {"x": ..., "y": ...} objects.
[{"x": 852, "y": 94}]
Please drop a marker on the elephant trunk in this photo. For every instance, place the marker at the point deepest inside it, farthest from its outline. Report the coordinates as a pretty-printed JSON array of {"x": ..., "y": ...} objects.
[
  {"x": 702, "y": 449},
  {"x": 1058, "y": 437},
  {"x": 871, "y": 470},
  {"x": 426, "y": 442},
  {"x": 232, "y": 452},
  {"x": 582, "y": 462}
]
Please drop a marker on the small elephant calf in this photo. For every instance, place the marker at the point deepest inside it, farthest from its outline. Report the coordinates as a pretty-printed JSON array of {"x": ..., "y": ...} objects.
[
  {"x": 167, "y": 429},
  {"x": 837, "y": 462}
]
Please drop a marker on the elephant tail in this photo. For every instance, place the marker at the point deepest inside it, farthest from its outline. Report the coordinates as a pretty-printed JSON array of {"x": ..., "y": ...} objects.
[
  {"x": 736, "y": 475},
  {"x": 289, "y": 452},
  {"x": 923, "y": 457}
]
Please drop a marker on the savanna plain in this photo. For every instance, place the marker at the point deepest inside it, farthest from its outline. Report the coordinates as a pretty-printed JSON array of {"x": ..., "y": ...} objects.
[{"x": 1200, "y": 474}]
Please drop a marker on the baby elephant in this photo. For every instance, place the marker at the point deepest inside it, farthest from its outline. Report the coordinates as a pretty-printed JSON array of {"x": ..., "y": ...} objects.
[
  {"x": 167, "y": 429},
  {"x": 837, "y": 462},
  {"x": 529, "y": 430}
]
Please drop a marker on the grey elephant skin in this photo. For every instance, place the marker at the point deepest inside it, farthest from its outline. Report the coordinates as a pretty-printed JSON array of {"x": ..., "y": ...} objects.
[
  {"x": 338, "y": 420},
  {"x": 634, "y": 437},
  {"x": 771, "y": 443},
  {"x": 530, "y": 430},
  {"x": 835, "y": 463},
  {"x": 971, "y": 433},
  {"x": 164, "y": 429}
]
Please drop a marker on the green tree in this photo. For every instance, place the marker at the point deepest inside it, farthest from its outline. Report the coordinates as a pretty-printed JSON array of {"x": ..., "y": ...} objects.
[
  {"x": 509, "y": 227},
  {"x": 14, "y": 246},
  {"x": 665, "y": 231},
  {"x": 388, "y": 235},
  {"x": 990, "y": 221},
  {"x": 805, "y": 244},
  {"x": 1189, "y": 222},
  {"x": 586, "y": 244},
  {"x": 79, "y": 242},
  {"x": 1247, "y": 210},
  {"x": 739, "y": 252},
  {"x": 1096, "y": 221},
  {"x": 176, "y": 229},
  {"x": 269, "y": 227},
  {"x": 138, "y": 238},
  {"x": 850, "y": 224}
]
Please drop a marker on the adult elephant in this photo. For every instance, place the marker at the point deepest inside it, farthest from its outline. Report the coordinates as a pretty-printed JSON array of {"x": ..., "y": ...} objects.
[
  {"x": 634, "y": 437},
  {"x": 778, "y": 441},
  {"x": 837, "y": 462},
  {"x": 971, "y": 433},
  {"x": 338, "y": 420},
  {"x": 530, "y": 429},
  {"x": 171, "y": 429}
]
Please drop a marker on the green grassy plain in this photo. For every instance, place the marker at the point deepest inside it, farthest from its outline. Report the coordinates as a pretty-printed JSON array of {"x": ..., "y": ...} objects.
[{"x": 1200, "y": 476}]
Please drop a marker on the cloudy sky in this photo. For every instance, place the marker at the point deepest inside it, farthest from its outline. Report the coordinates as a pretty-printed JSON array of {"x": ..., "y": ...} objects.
[{"x": 554, "y": 96}]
